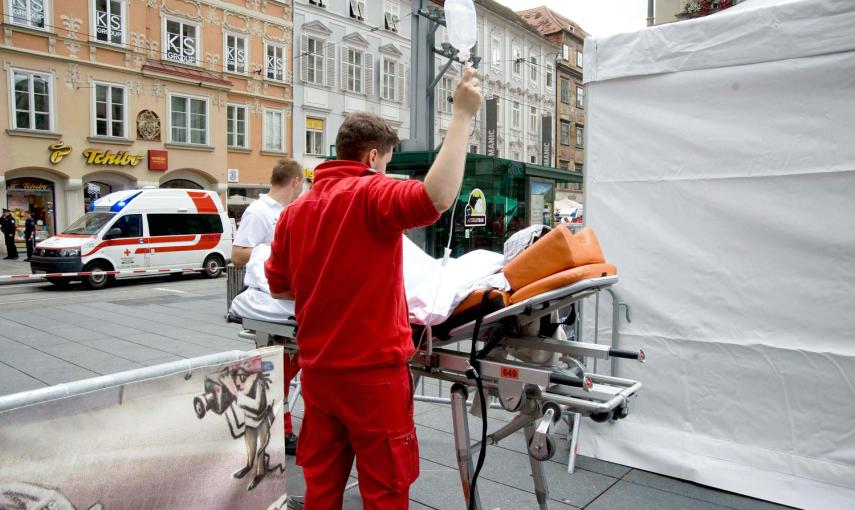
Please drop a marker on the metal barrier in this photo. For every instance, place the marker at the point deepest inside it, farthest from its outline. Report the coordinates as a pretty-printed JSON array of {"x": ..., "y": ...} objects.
[{"x": 234, "y": 283}]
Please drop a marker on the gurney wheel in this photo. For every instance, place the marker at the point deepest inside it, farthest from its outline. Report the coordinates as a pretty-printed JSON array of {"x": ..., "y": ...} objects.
[
  {"x": 541, "y": 455},
  {"x": 600, "y": 417}
]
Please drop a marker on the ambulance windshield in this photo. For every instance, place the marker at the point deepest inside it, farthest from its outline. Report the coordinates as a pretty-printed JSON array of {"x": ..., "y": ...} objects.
[{"x": 90, "y": 223}]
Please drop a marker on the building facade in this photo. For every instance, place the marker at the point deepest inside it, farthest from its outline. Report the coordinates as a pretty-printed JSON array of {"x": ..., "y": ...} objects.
[
  {"x": 517, "y": 69},
  {"x": 570, "y": 91},
  {"x": 105, "y": 95},
  {"x": 352, "y": 56},
  {"x": 668, "y": 11}
]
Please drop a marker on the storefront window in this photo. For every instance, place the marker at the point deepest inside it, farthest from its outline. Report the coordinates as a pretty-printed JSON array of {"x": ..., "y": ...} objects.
[
  {"x": 36, "y": 196},
  {"x": 181, "y": 184},
  {"x": 541, "y": 202},
  {"x": 92, "y": 191}
]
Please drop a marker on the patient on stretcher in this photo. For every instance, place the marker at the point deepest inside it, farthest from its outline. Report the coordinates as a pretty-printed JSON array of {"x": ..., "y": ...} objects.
[{"x": 436, "y": 291}]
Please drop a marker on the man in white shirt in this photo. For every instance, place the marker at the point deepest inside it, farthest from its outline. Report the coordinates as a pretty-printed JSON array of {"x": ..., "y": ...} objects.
[{"x": 257, "y": 226}]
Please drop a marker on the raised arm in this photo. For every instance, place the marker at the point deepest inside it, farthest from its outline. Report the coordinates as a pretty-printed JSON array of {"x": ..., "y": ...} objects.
[{"x": 445, "y": 175}]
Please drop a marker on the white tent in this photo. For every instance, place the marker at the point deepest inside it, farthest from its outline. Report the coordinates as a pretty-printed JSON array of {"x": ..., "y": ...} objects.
[{"x": 701, "y": 135}]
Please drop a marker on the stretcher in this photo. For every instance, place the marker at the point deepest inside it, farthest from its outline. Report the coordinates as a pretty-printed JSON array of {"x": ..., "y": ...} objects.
[{"x": 511, "y": 346}]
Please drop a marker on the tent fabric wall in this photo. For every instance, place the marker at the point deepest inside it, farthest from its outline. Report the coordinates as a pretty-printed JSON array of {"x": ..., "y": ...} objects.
[{"x": 724, "y": 193}]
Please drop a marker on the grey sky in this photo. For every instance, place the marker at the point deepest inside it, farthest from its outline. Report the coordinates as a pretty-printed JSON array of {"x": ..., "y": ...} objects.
[{"x": 597, "y": 17}]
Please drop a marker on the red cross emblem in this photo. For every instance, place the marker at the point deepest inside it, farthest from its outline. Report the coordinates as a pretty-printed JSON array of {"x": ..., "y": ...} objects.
[{"x": 127, "y": 252}]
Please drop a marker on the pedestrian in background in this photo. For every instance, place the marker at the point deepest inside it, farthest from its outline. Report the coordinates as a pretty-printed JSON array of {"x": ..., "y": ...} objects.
[
  {"x": 29, "y": 234},
  {"x": 8, "y": 227}
]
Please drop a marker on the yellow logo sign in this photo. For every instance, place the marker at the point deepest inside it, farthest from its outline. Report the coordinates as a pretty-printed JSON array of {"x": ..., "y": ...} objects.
[
  {"x": 58, "y": 151},
  {"x": 108, "y": 157}
]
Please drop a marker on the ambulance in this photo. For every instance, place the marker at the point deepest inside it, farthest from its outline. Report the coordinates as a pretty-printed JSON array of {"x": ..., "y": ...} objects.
[{"x": 140, "y": 229}]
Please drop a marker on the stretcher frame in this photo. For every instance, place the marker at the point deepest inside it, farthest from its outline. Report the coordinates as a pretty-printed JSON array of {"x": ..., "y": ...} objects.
[{"x": 539, "y": 394}]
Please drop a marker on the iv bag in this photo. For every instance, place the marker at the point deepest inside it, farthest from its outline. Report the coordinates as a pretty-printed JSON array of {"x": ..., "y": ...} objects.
[{"x": 461, "y": 25}]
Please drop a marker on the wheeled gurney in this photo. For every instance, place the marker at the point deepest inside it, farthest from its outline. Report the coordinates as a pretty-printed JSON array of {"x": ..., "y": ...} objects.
[{"x": 520, "y": 357}]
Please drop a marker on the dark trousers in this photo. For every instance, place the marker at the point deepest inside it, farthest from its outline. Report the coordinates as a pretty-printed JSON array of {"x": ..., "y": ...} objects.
[
  {"x": 11, "y": 249},
  {"x": 31, "y": 245}
]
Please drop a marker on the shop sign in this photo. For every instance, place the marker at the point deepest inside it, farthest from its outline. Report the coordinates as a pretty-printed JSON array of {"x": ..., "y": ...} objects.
[
  {"x": 27, "y": 185},
  {"x": 546, "y": 141},
  {"x": 58, "y": 151},
  {"x": 492, "y": 126},
  {"x": 475, "y": 214},
  {"x": 108, "y": 157},
  {"x": 158, "y": 160},
  {"x": 309, "y": 174},
  {"x": 233, "y": 174}
]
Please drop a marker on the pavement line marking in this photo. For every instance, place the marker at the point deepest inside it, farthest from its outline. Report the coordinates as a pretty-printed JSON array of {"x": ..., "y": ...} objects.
[{"x": 164, "y": 289}]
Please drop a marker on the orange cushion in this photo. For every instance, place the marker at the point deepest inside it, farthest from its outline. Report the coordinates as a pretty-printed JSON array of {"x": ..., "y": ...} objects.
[
  {"x": 476, "y": 297},
  {"x": 556, "y": 251},
  {"x": 562, "y": 279}
]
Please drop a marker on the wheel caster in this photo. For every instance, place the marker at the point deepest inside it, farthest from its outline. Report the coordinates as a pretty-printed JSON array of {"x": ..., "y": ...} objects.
[{"x": 541, "y": 452}]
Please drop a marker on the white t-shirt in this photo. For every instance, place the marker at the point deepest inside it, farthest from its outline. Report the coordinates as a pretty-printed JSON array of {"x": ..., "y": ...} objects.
[{"x": 258, "y": 222}]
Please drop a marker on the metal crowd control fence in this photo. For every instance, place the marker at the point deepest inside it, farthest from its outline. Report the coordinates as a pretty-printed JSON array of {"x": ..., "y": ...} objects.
[{"x": 234, "y": 283}]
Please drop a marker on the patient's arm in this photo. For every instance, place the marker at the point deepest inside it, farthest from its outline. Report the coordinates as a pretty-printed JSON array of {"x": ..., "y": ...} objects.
[{"x": 283, "y": 295}]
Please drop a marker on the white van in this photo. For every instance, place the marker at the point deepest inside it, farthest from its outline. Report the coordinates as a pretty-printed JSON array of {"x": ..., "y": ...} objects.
[{"x": 140, "y": 229}]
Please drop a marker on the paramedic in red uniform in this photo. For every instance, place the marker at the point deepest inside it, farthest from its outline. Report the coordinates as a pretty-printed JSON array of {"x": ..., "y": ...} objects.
[
  {"x": 337, "y": 252},
  {"x": 256, "y": 227}
]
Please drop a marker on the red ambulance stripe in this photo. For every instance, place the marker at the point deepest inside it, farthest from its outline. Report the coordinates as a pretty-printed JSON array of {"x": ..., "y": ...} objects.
[
  {"x": 136, "y": 240},
  {"x": 207, "y": 242},
  {"x": 203, "y": 202}
]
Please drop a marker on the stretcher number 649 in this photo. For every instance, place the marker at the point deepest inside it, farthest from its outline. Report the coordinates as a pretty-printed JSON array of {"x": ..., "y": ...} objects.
[{"x": 510, "y": 373}]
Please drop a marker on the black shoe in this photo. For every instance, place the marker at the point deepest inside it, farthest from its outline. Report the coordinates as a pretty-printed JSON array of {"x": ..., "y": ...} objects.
[
  {"x": 26, "y": 260},
  {"x": 243, "y": 471},
  {"x": 6, "y": 258},
  {"x": 291, "y": 444},
  {"x": 254, "y": 482},
  {"x": 13, "y": 258}
]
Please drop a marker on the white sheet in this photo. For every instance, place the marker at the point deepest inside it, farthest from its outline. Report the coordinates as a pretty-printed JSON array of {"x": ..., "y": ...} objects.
[
  {"x": 433, "y": 290},
  {"x": 723, "y": 191}
]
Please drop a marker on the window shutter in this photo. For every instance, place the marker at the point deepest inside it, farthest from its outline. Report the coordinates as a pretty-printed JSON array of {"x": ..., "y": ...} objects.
[
  {"x": 304, "y": 59},
  {"x": 343, "y": 67},
  {"x": 369, "y": 74},
  {"x": 330, "y": 49},
  {"x": 402, "y": 82}
]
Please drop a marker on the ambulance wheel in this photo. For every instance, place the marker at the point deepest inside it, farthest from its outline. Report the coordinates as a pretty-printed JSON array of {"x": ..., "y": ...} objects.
[
  {"x": 96, "y": 282},
  {"x": 60, "y": 282},
  {"x": 213, "y": 266}
]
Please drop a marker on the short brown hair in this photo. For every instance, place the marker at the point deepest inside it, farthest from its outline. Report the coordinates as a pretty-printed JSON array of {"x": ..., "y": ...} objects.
[
  {"x": 285, "y": 171},
  {"x": 362, "y": 131}
]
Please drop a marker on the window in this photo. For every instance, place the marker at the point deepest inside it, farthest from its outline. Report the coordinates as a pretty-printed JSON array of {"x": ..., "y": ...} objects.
[
  {"x": 564, "y": 165},
  {"x": 578, "y": 58},
  {"x": 517, "y": 62},
  {"x": 110, "y": 110},
  {"x": 29, "y": 13},
  {"x": 188, "y": 119},
  {"x": 391, "y": 15},
  {"x": 446, "y": 92},
  {"x": 313, "y": 55},
  {"x": 110, "y": 21},
  {"x": 532, "y": 159},
  {"x": 515, "y": 155},
  {"x": 314, "y": 136},
  {"x": 390, "y": 80},
  {"x": 532, "y": 119},
  {"x": 319, "y": 3},
  {"x": 181, "y": 41},
  {"x": 473, "y": 149},
  {"x": 565, "y": 132},
  {"x": 275, "y": 62},
  {"x": 515, "y": 115},
  {"x": 353, "y": 65},
  {"x": 549, "y": 75},
  {"x": 580, "y": 97},
  {"x": 565, "y": 91},
  {"x": 184, "y": 224},
  {"x": 236, "y": 53},
  {"x": 357, "y": 9},
  {"x": 565, "y": 52},
  {"x": 274, "y": 131},
  {"x": 496, "y": 47},
  {"x": 236, "y": 126},
  {"x": 33, "y": 100},
  {"x": 130, "y": 225},
  {"x": 580, "y": 136},
  {"x": 533, "y": 65}
]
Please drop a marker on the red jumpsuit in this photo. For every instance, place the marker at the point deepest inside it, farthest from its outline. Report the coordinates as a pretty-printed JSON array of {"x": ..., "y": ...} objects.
[{"x": 338, "y": 249}]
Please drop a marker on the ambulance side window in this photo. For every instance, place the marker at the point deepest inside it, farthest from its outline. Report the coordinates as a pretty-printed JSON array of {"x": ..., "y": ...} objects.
[
  {"x": 184, "y": 224},
  {"x": 130, "y": 224}
]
